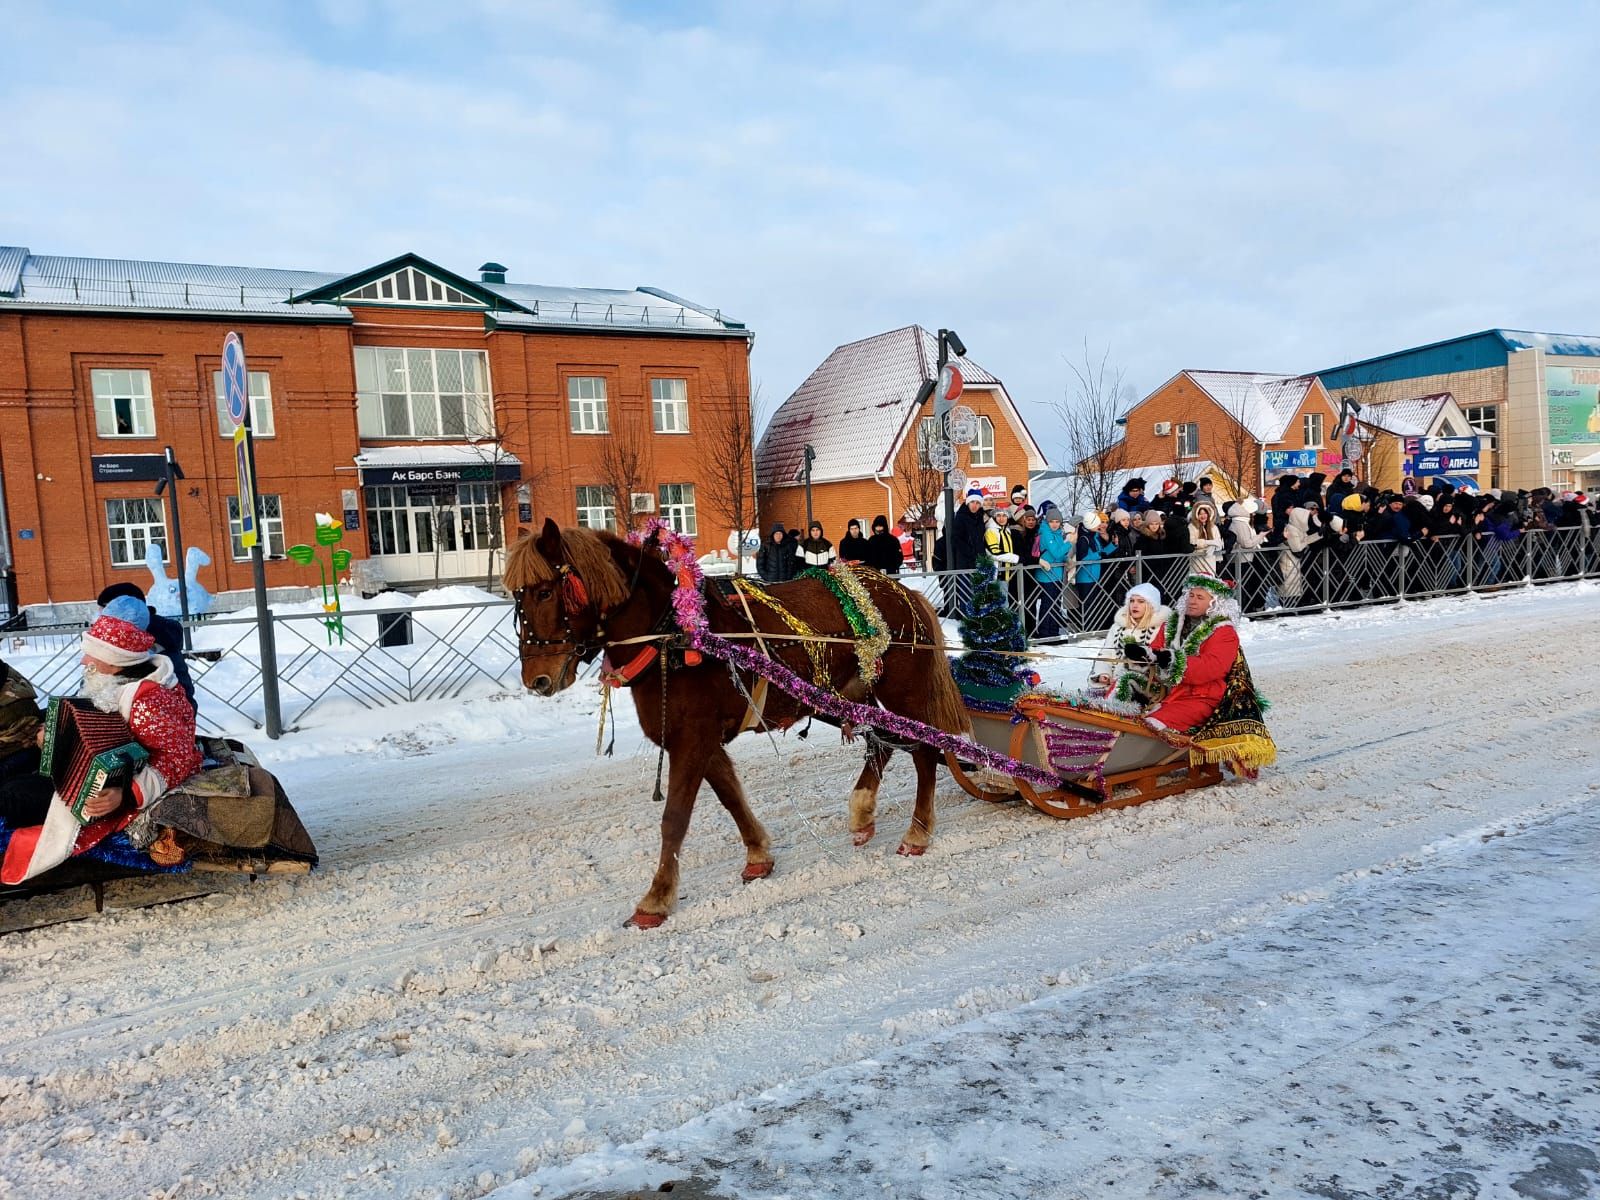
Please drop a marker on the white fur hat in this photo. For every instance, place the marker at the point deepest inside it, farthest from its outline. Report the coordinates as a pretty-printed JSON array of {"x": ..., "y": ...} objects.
[
  {"x": 1148, "y": 592},
  {"x": 1091, "y": 521}
]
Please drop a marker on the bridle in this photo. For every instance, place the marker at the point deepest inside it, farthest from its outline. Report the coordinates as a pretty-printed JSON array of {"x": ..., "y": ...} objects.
[{"x": 574, "y": 599}]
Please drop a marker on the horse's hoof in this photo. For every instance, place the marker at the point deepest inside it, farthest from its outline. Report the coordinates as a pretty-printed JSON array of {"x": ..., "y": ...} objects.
[
  {"x": 755, "y": 870},
  {"x": 910, "y": 851},
  {"x": 864, "y": 835},
  {"x": 644, "y": 920}
]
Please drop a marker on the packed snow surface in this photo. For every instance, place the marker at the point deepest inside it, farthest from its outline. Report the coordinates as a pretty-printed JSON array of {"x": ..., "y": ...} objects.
[{"x": 1313, "y": 985}]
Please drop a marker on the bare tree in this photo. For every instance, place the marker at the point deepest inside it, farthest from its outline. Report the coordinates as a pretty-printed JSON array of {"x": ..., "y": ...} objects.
[
  {"x": 493, "y": 451},
  {"x": 626, "y": 465},
  {"x": 1235, "y": 455},
  {"x": 730, "y": 458},
  {"x": 1090, "y": 412},
  {"x": 919, "y": 484}
]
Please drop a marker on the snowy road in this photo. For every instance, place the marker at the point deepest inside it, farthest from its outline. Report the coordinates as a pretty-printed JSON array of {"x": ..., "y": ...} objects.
[{"x": 450, "y": 1005}]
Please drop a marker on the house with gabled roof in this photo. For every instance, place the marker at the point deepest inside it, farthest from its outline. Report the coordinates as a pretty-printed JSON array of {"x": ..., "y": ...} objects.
[
  {"x": 1242, "y": 429},
  {"x": 870, "y": 441},
  {"x": 433, "y": 410}
]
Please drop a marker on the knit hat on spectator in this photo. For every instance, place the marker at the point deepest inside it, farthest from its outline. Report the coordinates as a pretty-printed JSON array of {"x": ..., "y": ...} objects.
[
  {"x": 130, "y": 609},
  {"x": 974, "y": 493},
  {"x": 1426, "y": 501},
  {"x": 1352, "y": 502},
  {"x": 1134, "y": 484},
  {"x": 777, "y": 527},
  {"x": 1044, "y": 509},
  {"x": 118, "y": 642},
  {"x": 1169, "y": 488},
  {"x": 1091, "y": 521}
]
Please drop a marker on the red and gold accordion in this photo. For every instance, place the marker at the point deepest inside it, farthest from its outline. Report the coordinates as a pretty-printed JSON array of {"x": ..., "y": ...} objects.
[{"x": 85, "y": 750}]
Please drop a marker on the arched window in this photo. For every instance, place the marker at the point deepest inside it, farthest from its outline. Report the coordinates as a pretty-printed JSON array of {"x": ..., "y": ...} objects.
[{"x": 982, "y": 450}]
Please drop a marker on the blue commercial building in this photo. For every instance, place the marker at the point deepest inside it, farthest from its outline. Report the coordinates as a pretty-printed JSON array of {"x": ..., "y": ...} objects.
[{"x": 1536, "y": 394}]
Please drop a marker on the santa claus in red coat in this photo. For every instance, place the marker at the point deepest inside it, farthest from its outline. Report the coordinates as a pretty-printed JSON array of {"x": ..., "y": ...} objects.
[{"x": 122, "y": 674}]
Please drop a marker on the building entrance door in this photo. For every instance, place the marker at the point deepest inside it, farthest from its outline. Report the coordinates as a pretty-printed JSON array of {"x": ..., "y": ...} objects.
[{"x": 426, "y": 535}]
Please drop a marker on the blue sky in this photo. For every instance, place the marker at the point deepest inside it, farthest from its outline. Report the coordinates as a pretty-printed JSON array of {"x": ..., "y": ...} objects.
[{"x": 1275, "y": 187}]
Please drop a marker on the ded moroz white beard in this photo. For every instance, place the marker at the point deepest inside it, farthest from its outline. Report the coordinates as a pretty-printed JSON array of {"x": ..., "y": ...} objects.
[{"x": 102, "y": 690}]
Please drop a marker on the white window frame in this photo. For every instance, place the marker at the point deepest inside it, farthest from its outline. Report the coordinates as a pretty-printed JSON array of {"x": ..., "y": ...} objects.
[
  {"x": 1475, "y": 414},
  {"x": 1186, "y": 439},
  {"x": 261, "y": 423},
  {"x": 587, "y": 405},
  {"x": 111, "y": 385},
  {"x": 675, "y": 504},
  {"x": 1308, "y": 423},
  {"x": 981, "y": 452},
  {"x": 927, "y": 434},
  {"x": 271, "y": 532},
  {"x": 669, "y": 405},
  {"x": 391, "y": 380},
  {"x": 140, "y": 520},
  {"x": 597, "y": 507}
]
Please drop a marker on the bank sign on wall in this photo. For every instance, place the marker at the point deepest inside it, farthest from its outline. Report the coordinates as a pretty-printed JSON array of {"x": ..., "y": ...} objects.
[{"x": 1573, "y": 397}]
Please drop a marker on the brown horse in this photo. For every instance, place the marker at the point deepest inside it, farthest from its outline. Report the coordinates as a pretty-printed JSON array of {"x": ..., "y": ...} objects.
[{"x": 580, "y": 593}]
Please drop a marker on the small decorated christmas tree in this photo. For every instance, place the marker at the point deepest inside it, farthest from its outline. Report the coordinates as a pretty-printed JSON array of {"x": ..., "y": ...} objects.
[{"x": 989, "y": 677}]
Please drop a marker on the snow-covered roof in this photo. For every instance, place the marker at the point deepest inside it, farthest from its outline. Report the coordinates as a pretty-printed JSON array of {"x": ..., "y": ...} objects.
[
  {"x": 1412, "y": 417},
  {"x": 436, "y": 454},
  {"x": 1264, "y": 404},
  {"x": 855, "y": 408},
  {"x": 45, "y": 281}
]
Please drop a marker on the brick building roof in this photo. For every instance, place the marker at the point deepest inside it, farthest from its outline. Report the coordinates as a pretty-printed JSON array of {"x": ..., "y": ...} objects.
[{"x": 855, "y": 408}]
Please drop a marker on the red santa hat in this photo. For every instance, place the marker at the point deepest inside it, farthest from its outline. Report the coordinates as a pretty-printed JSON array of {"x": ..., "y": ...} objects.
[
  {"x": 118, "y": 642},
  {"x": 1169, "y": 488}
]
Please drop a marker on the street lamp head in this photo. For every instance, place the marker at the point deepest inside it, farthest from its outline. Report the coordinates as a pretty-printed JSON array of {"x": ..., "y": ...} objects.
[{"x": 953, "y": 340}]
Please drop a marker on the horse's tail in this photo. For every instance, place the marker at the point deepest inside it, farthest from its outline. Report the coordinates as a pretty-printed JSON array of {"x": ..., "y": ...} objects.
[{"x": 946, "y": 710}]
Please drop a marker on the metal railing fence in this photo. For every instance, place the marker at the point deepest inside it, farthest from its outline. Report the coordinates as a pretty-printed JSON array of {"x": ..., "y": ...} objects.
[{"x": 397, "y": 655}]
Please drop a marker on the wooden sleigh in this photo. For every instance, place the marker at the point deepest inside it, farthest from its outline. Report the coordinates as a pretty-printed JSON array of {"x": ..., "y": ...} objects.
[{"x": 1135, "y": 765}]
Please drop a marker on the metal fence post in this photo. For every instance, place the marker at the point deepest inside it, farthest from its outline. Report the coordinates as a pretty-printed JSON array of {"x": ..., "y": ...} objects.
[
  {"x": 1325, "y": 566},
  {"x": 1469, "y": 550},
  {"x": 1401, "y": 551},
  {"x": 1528, "y": 536}
]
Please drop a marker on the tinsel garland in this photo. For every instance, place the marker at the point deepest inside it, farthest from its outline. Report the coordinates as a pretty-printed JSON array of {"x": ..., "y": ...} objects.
[
  {"x": 689, "y": 607},
  {"x": 866, "y": 622},
  {"x": 1181, "y": 650},
  {"x": 1075, "y": 750},
  {"x": 816, "y": 650}
]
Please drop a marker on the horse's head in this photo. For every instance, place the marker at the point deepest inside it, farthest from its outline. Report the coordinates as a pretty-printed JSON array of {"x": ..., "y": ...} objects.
[{"x": 563, "y": 584}]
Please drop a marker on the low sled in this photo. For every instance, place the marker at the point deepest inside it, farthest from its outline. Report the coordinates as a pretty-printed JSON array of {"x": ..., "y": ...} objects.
[
  {"x": 232, "y": 817},
  {"x": 1102, "y": 759}
]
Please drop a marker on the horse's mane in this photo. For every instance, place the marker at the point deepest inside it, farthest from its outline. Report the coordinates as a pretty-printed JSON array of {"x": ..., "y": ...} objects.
[{"x": 587, "y": 551}]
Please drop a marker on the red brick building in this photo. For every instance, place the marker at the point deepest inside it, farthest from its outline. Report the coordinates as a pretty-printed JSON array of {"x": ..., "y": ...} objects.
[
  {"x": 870, "y": 441},
  {"x": 430, "y": 409}
]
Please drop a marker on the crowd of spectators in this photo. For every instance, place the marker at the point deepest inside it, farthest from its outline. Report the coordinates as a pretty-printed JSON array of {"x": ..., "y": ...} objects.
[{"x": 1312, "y": 539}]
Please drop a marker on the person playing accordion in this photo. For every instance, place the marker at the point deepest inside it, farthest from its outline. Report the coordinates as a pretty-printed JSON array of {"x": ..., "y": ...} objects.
[{"x": 122, "y": 674}]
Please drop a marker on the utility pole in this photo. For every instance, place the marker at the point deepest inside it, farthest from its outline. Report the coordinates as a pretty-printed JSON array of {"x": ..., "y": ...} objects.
[
  {"x": 171, "y": 473},
  {"x": 810, "y": 457}
]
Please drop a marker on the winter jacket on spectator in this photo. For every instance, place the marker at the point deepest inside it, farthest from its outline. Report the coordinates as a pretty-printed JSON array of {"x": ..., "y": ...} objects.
[
  {"x": 775, "y": 561},
  {"x": 1205, "y": 540},
  {"x": 1055, "y": 553},
  {"x": 1091, "y": 550},
  {"x": 1000, "y": 543},
  {"x": 884, "y": 552},
  {"x": 1242, "y": 532},
  {"x": 1132, "y": 504},
  {"x": 966, "y": 539},
  {"x": 852, "y": 546},
  {"x": 1283, "y": 499},
  {"x": 815, "y": 550}
]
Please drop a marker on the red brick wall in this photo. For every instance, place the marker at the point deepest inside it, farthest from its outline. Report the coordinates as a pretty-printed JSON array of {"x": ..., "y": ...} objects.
[{"x": 47, "y": 429}]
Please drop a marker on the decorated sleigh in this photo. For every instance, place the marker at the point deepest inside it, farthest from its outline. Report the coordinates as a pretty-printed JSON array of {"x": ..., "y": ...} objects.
[
  {"x": 1101, "y": 758},
  {"x": 233, "y": 816}
]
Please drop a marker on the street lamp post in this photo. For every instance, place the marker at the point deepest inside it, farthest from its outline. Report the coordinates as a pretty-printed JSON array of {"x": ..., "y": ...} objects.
[
  {"x": 810, "y": 457},
  {"x": 949, "y": 340}
]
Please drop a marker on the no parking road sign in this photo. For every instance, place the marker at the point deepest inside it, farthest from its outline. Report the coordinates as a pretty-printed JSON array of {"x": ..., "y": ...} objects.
[{"x": 235, "y": 379}]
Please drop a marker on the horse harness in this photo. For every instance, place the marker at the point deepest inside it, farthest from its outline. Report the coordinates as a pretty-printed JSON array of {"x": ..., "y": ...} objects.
[{"x": 574, "y": 599}]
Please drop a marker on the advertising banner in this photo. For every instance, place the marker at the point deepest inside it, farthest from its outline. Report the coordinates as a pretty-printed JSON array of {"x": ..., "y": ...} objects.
[
  {"x": 1441, "y": 455},
  {"x": 1572, "y": 395},
  {"x": 1290, "y": 460}
]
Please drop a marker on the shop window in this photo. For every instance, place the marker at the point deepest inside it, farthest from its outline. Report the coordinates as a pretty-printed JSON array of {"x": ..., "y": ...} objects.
[
  {"x": 676, "y": 504},
  {"x": 669, "y": 405},
  {"x": 122, "y": 404},
  {"x": 982, "y": 449},
  {"x": 417, "y": 393},
  {"x": 261, "y": 425},
  {"x": 597, "y": 508},
  {"x": 388, "y": 520},
  {"x": 1311, "y": 429},
  {"x": 586, "y": 404},
  {"x": 271, "y": 532},
  {"x": 480, "y": 515},
  {"x": 133, "y": 525},
  {"x": 1187, "y": 436}
]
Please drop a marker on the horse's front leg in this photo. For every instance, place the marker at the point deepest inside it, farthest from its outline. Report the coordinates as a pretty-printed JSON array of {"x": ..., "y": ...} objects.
[
  {"x": 922, "y": 818},
  {"x": 686, "y": 768},
  {"x": 724, "y": 781}
]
